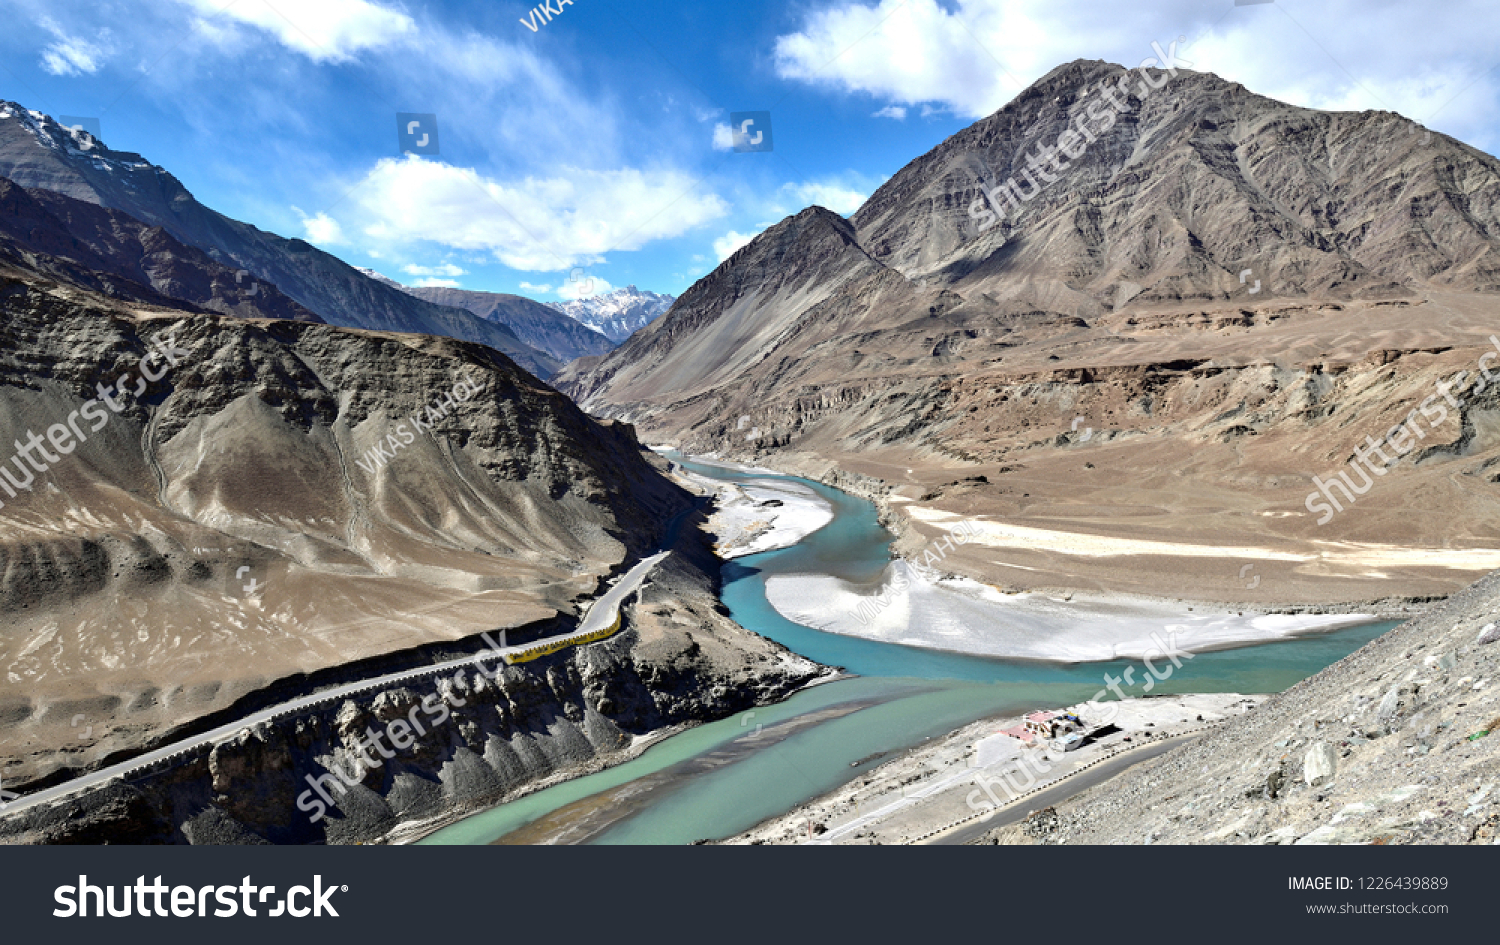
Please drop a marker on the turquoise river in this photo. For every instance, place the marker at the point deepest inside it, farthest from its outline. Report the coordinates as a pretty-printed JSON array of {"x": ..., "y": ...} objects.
[{"x": 719, "y": 779}]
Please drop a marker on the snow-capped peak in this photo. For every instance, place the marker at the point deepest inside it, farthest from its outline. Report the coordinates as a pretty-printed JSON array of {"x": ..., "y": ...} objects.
[{"x": 618, "y": 314}]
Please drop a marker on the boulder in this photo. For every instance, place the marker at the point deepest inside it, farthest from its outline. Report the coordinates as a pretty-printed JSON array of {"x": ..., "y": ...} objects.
[{"x": 1320, "y": 764}]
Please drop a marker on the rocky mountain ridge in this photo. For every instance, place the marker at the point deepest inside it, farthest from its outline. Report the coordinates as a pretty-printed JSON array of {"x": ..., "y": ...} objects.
[
  {"x": 1208, "y": 301},
  {"x": 38, "y": 153},
  {"x": 86, "y": 244},
  {"x": 538, "y": 325}
]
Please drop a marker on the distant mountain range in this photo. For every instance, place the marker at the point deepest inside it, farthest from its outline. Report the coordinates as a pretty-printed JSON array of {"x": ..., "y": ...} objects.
[
  {"x": 619, "y": 314},
  {"x": 39, "y": 154},
  {"x": 538, "y": 325},
  {"x": 591, "y": 326},
  {"x": 105, "y": 251}
]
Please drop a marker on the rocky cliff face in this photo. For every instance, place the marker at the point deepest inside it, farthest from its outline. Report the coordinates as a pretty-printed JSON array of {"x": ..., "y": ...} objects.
[
  {"x": 1181, "y": 318},
  {"x": 498, "y": 732},
  {"x": 725, "y": 327},
  {"x": 1189, "y": 185},
  {"x": 36, "y": 152}
]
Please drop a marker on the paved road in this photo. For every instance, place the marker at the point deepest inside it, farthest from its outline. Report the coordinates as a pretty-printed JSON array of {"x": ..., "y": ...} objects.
[
  {"x": 1070, "y": 787},
  {"x": 600, "y": 615}
]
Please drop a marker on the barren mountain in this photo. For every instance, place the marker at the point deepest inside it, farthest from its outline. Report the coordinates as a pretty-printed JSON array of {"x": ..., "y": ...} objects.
[
  {"x": 37, "y": 152},
  {"x": 86, "y": 244},
  {"x": 207, "y": 514},
  {"x": 538, "y": 325},
  {"x": 1194, "y": 305}
]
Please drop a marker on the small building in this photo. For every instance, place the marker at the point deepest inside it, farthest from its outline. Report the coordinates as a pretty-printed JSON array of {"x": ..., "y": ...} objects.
[{"x": 1041, "y": 726}]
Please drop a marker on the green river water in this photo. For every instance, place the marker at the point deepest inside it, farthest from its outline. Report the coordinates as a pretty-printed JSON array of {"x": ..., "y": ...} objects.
[{"x": 720, "y": 779}]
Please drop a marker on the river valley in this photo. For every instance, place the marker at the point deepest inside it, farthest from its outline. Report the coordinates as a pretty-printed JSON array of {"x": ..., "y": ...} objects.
[{"x": 720, "y": 779}]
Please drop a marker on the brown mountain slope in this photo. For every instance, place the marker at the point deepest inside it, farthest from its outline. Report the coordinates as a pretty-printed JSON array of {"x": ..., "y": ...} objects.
[
  {"x": 1095, "y": 357},
  {"x": 1192, "y": 184},
  {"x": 202, "y": 510},
  {"x": 1387, "y": 746}
]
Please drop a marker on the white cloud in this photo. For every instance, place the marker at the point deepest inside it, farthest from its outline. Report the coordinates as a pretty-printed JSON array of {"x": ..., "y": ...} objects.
[
  {"x": 323, "y": 30},
  {"x": 73, "y": 55},
  {"x": 731, "y": 242},
  {"x": 446, "y": 269},
  {"x": 542, "y": 289},
  {"x": 970, "y": 57},
  {"x": 321, "y": 229},
  {"x": 891, "y": 111},
  {"x": 583, "y": 287},
  {"x": 841, "y": 200},
  {"x": 723, "y": 137},
  {"x": 535, "y": 224},
  {"x": 436, "y": 283}
]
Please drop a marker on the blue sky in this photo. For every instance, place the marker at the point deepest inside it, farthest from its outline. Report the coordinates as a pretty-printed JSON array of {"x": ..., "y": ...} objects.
[{"x": 595, "y": 147}]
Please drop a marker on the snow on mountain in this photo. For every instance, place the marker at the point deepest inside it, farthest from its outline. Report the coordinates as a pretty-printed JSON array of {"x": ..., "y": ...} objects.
[
  {"x": 536, "y": 324},
  {"x": 618, "y": 314},
  {"x": 378, "y": 277}
]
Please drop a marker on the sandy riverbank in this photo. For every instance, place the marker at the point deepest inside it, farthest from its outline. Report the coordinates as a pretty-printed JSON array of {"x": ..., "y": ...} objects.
[
  {"x": 962, "y": 615},
  {"x": 1042, "y": 527},
  {"x": 760, "y": 514},
  {"x": 976, "y": 771}
]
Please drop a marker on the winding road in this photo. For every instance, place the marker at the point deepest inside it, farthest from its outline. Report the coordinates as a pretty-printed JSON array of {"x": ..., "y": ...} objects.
[{"x": 601, "y": 614}]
